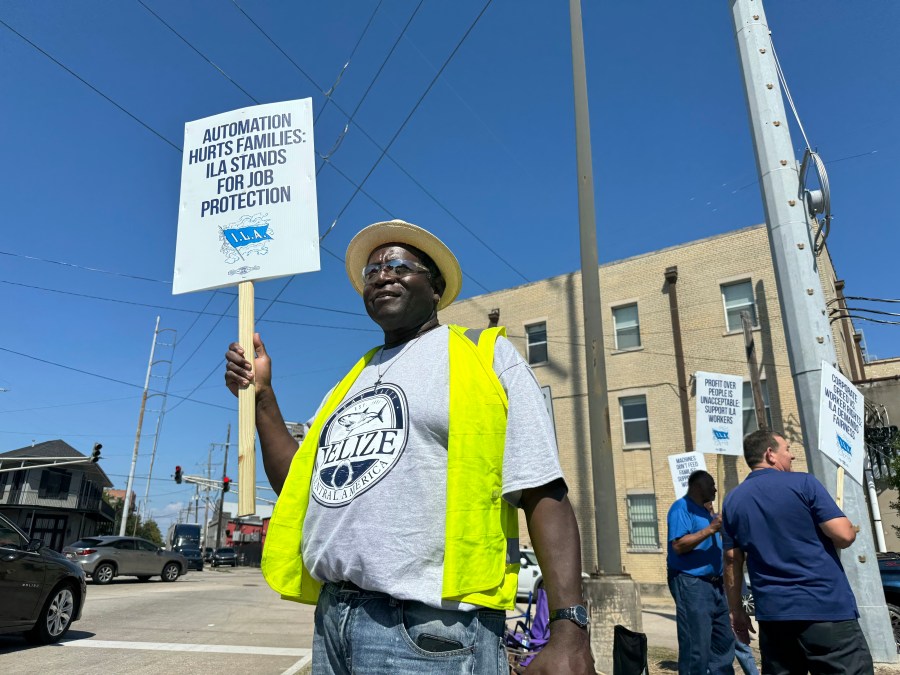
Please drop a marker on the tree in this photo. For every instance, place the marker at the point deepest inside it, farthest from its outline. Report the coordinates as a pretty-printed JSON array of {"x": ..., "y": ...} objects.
[{"x": 893, "y": 450}]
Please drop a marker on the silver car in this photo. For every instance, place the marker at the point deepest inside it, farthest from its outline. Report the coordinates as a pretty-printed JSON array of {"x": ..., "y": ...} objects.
[{"x": 107, "y": 557}]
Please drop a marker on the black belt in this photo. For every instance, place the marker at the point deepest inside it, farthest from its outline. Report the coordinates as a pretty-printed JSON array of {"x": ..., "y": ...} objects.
[{"x": 707, "y": 578}]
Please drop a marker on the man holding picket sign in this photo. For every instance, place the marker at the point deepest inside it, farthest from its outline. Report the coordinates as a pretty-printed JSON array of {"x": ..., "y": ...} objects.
[
  {"x": 397, "y": 514},
  {"x": 247, "y": 212}
]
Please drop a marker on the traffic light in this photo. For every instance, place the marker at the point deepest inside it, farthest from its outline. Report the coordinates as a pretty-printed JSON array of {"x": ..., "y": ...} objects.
[
  {"x": 226, "y": 484},
  {"x": 95, "y": 454},
  {"x": 177, "y": 474}
]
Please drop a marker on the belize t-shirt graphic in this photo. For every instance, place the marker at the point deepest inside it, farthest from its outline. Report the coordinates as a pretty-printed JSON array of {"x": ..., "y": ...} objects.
[{"x": 360, "y": 443}]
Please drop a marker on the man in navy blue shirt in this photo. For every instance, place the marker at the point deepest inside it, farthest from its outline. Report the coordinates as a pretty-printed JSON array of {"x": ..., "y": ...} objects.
[
  {"x": 705, "y": 639},
  {"x": 789, "y": 528}
]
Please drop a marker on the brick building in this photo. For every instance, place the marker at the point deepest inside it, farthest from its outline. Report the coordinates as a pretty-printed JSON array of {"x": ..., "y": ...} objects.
[{"x": 684, "y": 300}]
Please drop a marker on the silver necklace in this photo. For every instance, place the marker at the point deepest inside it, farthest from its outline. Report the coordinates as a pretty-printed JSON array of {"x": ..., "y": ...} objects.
[{"x": 406, "y": 348}]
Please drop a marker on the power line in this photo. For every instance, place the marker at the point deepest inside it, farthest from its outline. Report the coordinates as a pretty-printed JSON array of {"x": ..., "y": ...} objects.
[
  {"x": 105, "y": 377},
  {"x": 183, "y": 309},
  {"x": 411, "y": 112},
  {"x": 374, "y": 142},
  {"x": 340, "y": 137},
  {"x": 340, "y": 75},
  {"x": 203, "y": 56},
  {"x": 83, "y": 267},
  {"x": 92, "y": 87},
  {"x": 205, "y": 337}
]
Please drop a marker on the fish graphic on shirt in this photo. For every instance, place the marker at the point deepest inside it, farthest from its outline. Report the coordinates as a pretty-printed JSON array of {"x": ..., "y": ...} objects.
[{"x": 351, "y": 421}]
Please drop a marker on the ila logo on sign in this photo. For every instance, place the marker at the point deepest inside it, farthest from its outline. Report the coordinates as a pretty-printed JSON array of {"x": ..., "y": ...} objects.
[
  {"x": 720, "y": 438},
  {"x": 844, "y": 446}
]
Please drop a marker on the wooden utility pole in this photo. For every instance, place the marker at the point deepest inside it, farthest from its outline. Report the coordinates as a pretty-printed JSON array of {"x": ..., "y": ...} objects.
[
  {"x": 222, "y": 492},
  {"x": 755, "y": 385}
]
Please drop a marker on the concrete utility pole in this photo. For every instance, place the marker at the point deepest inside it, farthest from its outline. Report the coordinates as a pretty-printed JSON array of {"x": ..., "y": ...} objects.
[
  {"x": 803, "y": 308},
  {"x": 137, "y": 436},
  {"x": 612, "y": 596}
]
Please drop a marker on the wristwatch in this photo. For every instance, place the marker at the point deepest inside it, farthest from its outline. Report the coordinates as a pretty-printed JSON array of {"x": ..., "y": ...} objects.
[{"x": 576, "y": 614}]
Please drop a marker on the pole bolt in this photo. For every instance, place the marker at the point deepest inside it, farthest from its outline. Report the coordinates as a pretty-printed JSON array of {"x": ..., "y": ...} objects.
[
  {"x": 801, "y": 246},
  {"x": 762, "y": 50},
  {"x": 809, "y": 291},
  {"x": 820, "y": 340},
  {"x": 769, "y": 85},
  {"x": 784, "y": 162},
  {"x": 862, "y": 558},
  {"x": 756, "y": 17},
  {"x": 791, "y": 202},
  {"x": 776, "y": 123}
]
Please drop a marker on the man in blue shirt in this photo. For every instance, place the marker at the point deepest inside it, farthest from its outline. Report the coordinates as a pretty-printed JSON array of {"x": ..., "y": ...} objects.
[
  {"x": 789, "y": 528},
  {"x": 705, "y": 639}
]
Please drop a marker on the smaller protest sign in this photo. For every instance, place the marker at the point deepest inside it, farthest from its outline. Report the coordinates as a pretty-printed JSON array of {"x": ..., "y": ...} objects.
[
  {"x": 720, "y": 416},
  {"x": 841, "y": 419},
  {"x": 682, "y": 466}
]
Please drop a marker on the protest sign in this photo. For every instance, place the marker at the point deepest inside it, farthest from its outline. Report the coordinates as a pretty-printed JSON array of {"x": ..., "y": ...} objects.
[
  {"x": 248, "y": 197},
  {"x": 841, "y": 419},
  {"x": 720, "y": 417},
  {"x": 682, "y": 466},
  {"x": 247, "y": 213}
]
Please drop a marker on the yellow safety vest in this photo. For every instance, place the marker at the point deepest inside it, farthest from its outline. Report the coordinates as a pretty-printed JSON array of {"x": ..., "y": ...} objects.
[{"x": 478, "y": 521}]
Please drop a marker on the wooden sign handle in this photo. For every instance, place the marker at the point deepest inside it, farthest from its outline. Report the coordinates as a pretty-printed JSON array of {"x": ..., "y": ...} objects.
[
  {"x": 246, "y": 408},
  {"x": 839, "y": 496}
]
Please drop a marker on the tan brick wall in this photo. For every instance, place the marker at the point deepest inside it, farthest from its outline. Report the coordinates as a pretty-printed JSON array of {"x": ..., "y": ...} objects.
[
  {"x": 650, "y": 370},
  {"x": 883, "y": 368}
]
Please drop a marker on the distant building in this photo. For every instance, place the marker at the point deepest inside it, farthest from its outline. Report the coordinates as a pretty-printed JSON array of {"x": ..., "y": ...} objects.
[
  {"x": 666, "y": 315},
  {"x": 58, "y": 504},
  {"x": 298, "y": 430}
]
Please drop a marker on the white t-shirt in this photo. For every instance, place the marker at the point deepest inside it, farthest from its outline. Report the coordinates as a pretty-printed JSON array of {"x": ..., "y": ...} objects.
[{"x": 377, "y": 503}]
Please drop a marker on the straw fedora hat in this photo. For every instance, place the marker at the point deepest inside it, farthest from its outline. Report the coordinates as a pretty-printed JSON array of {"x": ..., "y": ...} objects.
[{"x": 399, "y": 232}]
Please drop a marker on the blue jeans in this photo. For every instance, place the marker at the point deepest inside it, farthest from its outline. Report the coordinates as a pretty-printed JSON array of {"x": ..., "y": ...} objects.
[
  {"x": 360, "y": 631},
  {"x": 745, "y": 658},
  {"x": 705, "y": 638}
]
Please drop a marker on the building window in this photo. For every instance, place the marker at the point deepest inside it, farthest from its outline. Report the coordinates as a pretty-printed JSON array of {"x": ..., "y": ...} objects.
[
  {"x": 750, "y": 424},
  {"x": 738, "y": 298},
  {"x": 634, "y": 420},
  {"x": 643, "y": 526},
  {"x": 628, "y": 327},
  {"x": 537, "y": 343},
  {"x": 54, "y": 484}
]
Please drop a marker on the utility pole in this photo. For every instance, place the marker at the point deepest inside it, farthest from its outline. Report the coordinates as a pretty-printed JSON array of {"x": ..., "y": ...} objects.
[
  {"x": 137, "y": 436},
  {"x": 206, "y": 501},
  {"x": 755, "y": 385},
  {"x": 612, "y": 596},
  {"x": 219, "y": 525},
  {"x": 803, "y": 309}
]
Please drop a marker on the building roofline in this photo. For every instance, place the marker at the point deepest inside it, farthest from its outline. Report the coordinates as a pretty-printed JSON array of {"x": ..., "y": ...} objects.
[{"x": 612, "y": 263}]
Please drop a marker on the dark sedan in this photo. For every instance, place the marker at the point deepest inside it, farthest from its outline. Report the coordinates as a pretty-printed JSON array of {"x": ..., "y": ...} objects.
[
  {"x": 889, "y": 567},
  {"x": 224, "y": 556},
  {"x": 193, "y": 556},
  {"x": 42, "y": 592}
]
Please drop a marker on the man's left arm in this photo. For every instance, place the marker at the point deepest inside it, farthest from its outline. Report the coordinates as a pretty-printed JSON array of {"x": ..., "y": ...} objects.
[{"x": 554, "y": 535}]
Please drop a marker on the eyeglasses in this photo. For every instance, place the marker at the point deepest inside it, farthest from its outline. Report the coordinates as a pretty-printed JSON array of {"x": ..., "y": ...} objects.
[{"x": 393, "y": 268}]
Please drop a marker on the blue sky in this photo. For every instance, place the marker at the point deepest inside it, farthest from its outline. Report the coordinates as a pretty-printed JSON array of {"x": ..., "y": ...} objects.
[{"x": 91, "y": 178}]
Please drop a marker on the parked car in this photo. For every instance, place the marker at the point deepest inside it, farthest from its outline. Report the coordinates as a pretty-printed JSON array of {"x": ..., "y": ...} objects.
[
  {"x": 193, "y": 556},
  {"x": 43, "y": 593},
  {"x": 107, "y": 557},
  {"x": 224, "y": 556},
  {"x": 529, "y": 573},
  {"x": 889, "y": 567}
]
